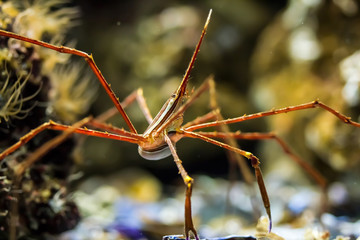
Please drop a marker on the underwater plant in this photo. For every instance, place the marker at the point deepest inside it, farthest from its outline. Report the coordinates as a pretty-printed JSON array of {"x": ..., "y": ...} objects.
[{"x": 33, "y": 89}]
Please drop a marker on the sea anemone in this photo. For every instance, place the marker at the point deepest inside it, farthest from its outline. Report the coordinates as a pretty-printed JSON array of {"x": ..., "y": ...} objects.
[{"x": 11, "y": 99}]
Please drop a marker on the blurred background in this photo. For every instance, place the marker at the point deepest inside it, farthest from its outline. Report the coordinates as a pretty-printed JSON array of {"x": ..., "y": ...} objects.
[
  {"x": 263, "y": 55},
  {"x": 149, "y": 45}
]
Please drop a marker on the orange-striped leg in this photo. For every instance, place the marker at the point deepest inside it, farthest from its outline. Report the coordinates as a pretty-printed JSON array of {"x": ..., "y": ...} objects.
[
  {"x": 99, "y": 121},
  {"x": 316, "y": 175},
  {"x": 313, "y": 104},
  {"x": 209, "y": 85},
  {"x": 235, "y": 158},
  {"x": 200, "y": 90},
  {"x": 135, "y": 95},
  {"x": 253, "y": 160},
  {"x": 189, "y": 226},
  {"x": 311, "y": 171},
  {"x": 89, "y": 59},
  {"x": 202, "y": 119},
  {"x": 121, "y": 136},
  {"x": 32, "y": 158}
]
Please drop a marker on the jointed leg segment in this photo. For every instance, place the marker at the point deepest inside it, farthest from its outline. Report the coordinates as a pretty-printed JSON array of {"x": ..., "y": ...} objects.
[
  {"x": 254, "y": 163},
  {"x": 136, "y": 95},
  {"x": 125, "y": 136},
  {"x": 89, "y": 59},
  {"x": 316, "y": 175},
  {"x": 33, "y": 157},
  {"x": 189, "y": 226},
  {"x": 45, "y": 148},
  {"x": 230, "y": 145},
  {"x": 309, "y": 105}
]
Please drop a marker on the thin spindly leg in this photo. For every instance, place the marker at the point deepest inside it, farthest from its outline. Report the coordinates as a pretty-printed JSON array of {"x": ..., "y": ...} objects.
[
  {"x": 143, "y": 106},
  {"x": 199, "y": 91},
  {"x": 45, "y": 148},
  {"x": 235, "y": 158},
  {"x": 123, "y": 136},
  {"x": 316, "y": 175},
  {"x": 313, "y": 173},
  {"x": 204, "y": 87},
  {"x": 89, "y": 59},
  {"x": 99, "y": 121},
  {"x": 117, "y": 133},
  {"x": 67, "y": 131},
  {"x": 230, "y": 141},
  {"x": 313, "y": 104},
  {"x": 33, "y": 157},
  {"x": 251, "y": 157},
  {"x": 202, "y": 119},
  {"x": 189, "y": 226},
  {"x": 209, "y": 85},
  {"x": 135, "y": 95}
]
